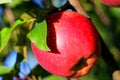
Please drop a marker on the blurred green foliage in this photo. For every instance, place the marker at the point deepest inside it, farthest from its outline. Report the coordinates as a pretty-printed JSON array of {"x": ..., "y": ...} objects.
[{"x": 106, "y": 19}]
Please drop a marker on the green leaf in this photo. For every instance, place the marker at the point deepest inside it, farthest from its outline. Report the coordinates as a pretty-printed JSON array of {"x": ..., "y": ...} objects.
[
  {"x": 6, "y": 32},
  {"x": 14, "y": 3},
  {"x": 38, "y": 35},
  {"x": 5, "y": 1},
  {"x": 4, "y": 37},
  {"x": 54, "y": 77},
  {"x": 4, "y": 70},
  {"x": 18, "y": 23}
]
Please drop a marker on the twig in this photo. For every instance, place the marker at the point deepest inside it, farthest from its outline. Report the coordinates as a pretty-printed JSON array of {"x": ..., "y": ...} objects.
[
  {"x": 110, "y": 62},
  {"x": 79, "y": 8},
  {"x": 25, "y": 52},
  {"x": 10, "y": 15},
  {"x": 101, "y": 14}
]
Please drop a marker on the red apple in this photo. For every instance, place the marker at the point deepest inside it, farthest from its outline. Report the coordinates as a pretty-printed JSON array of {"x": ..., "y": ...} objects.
[
  {"x": 74, "y": 44},
  {"x": 114, "y": 3}
]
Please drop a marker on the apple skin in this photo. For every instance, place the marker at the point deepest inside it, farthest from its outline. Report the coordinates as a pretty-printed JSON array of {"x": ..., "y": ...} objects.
[
  {"x": 74, "y": 44},
  {"x": 114, "y": 3}
]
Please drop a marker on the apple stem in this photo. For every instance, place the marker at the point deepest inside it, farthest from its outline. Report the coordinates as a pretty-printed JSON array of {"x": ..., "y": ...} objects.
[
  {"x": 79, "y": 8},
  {"x": 110, "y": 61}
]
